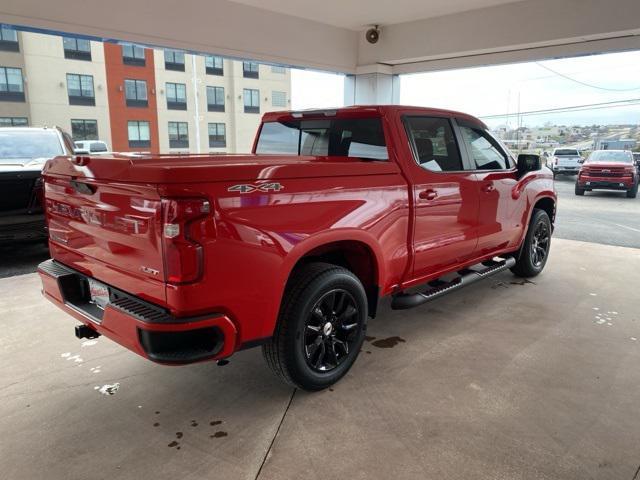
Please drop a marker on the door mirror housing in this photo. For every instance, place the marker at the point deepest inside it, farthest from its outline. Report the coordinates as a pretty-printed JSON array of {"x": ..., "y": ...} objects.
[{"x": 528, "y": 163}]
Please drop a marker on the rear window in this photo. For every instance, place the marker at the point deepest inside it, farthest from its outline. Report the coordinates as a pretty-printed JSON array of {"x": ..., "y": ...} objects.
[
  {"x": 361, "y": 138},
  {"x": 567, "y": 151}
]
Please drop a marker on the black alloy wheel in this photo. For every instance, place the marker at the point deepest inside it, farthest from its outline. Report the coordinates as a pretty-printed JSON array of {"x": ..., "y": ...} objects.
[
  {"x": 540, "y": 244},
  {"x": 321, "y": 326},
  {"x": 534, "y": 251},
  {"x": 331, "y": 330}
]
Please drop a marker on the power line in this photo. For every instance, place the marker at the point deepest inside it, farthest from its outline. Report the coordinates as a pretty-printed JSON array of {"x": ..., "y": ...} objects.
[
  {"x": 584, "y": 83},
  {"x": 573, "y": 108}
]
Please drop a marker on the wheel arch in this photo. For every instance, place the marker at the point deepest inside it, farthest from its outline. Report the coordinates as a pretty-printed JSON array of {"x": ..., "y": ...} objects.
[
  {"x": 355, "y": 252},
  {"x": 548, "y": 204}
]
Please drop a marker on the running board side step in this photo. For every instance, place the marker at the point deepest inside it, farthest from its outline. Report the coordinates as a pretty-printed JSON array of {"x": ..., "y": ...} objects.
[{"x": 438, "y": 288}]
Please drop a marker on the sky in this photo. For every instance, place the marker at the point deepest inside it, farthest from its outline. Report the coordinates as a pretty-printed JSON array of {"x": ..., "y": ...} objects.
[{"x": 507, "y": 89}]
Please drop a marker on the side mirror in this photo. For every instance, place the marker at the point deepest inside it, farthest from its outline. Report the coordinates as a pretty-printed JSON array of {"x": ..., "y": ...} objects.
[{"x": 528, "y": 163}]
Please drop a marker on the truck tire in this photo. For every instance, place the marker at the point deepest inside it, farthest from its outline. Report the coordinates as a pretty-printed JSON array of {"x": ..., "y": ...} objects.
[
  {"x": 579, "y": 191},
  {"x": 633, "y": 192},
  {"x": 320, "y": 328},
  {"x": 535, "y": 249}
]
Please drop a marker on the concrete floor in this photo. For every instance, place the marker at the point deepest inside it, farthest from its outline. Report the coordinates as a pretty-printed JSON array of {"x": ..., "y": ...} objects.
[{"x": 505, "y": 380}]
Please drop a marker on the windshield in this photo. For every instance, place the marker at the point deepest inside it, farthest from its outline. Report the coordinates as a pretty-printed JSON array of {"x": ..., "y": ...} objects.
[
  {"x": 608, "y": 156},
  {"x": 361, "y": 138},
  {"x": 19, "y": 145},
  {"x": 567, "y": 151}
]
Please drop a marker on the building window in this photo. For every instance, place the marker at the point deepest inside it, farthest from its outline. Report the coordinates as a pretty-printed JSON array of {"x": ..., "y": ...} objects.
[
  {"x": 176, "y": 96},
  {"x": 214, "y": 65},
  {"x": 217, "y": 135},
  {"x": 135, "y": 92},
  {"x": 11, "y": 85},
  {"x": 250, "y": 70},
  {"x": 84, "y": 130},
  {"x": 8, "y": 39},
  {"x": 14, "y": 122},
  {"x": 251, "y": 100},
  {"x": 279, "y": 99},
  {"x": 133, "y": 55},
  {"x": 178, "y": 135},
  {"x": 174, "y": 60},
  {"x": 139, "y": 134},
  {"x": 215, "y": 99},
  {"x": 80, "y": 89},
  {"x": 279, "y": 70},
  {"x": 76, "y": 48}
]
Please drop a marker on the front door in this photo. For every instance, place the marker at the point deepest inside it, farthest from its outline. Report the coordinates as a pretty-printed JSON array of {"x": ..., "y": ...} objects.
[
  {"x": 500, "y": 221},
  {"x": 445, "y": 197}
]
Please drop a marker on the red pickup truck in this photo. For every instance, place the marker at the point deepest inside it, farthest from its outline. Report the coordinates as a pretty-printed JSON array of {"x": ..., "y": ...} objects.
[
  {"x": 609, "y": 170},
  {"x": 192, "y": 258}
]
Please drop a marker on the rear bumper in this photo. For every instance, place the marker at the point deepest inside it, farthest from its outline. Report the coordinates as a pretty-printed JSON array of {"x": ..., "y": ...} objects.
[
  {"x": 568, "y": 170},
  {"x": 22, "y": 228},
  {"x": 143, "y": 328}
]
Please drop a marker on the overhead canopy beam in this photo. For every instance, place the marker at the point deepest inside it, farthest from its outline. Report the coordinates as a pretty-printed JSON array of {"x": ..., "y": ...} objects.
[
  {"x": 515, "y": 32},
  {"x": 520, "y": 31},
  {"x": 207, "y": 26}
]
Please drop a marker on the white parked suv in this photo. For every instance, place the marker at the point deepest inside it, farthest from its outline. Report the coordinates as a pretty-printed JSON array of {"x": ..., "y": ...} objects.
[{"x": 564, "y": 161}]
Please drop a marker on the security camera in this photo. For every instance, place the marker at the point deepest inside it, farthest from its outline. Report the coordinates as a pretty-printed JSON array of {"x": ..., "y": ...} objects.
[{"x": 373, "y": 35}]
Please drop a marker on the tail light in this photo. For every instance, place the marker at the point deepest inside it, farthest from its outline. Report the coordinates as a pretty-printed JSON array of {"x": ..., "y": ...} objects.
[
  {"x": 183, "y": 232},
  {"x": 37, "y": 197}
]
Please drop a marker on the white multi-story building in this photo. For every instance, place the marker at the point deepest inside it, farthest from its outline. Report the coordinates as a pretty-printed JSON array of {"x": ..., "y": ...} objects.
[{"x": 136, "y": 98}]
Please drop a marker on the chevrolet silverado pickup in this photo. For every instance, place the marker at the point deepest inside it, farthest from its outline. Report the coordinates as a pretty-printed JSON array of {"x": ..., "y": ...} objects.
[
  {"x": 184, "y": 259},
  {"x": 565, "y": 161},
  {"x": 609, "y": 170}
]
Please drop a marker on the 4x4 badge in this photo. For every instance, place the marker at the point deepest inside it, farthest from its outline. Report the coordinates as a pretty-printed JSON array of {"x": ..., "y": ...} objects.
[{"x": 263, "y": 187}]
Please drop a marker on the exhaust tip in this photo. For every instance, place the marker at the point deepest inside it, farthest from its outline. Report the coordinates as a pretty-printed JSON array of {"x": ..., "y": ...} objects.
[{"x": 84, "y": 331}]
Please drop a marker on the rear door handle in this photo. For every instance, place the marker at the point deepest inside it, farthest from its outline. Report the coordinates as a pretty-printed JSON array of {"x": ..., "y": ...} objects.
[
  {"x": 428, "y": 194},
  {"x": 488, "y": 188}
]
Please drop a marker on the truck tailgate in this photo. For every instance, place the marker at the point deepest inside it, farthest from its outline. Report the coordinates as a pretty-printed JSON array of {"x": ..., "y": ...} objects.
[
  {"x": 108, "y": 230},
  {"x": 568, "y": 161}
]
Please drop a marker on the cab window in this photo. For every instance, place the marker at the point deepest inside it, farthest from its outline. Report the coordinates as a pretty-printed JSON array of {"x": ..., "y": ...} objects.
[
  {"x": 485, "y": 152},
  {"x": 434, "y": 144},
  {"x": 361, "y": 138}
]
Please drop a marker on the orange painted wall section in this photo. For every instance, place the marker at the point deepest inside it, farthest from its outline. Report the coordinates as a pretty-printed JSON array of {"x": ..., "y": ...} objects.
[{"x": 119, "y": 112}]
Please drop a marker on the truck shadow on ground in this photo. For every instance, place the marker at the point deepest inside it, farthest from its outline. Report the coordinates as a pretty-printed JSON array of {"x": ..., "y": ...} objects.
[{"x": 21, "y": 258}]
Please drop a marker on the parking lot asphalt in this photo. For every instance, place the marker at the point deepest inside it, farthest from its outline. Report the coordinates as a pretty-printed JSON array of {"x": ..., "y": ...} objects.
[
  {"x": 507, "y": 379},
  {"x": 601, "y": 216}
]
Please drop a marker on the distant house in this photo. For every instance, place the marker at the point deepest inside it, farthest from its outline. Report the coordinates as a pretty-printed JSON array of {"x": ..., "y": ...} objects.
[{"x": 615, "y": 144}]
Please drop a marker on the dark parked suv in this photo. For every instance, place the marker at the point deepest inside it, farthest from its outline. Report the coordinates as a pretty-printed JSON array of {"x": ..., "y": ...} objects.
[{"x": 23, "y": 153}]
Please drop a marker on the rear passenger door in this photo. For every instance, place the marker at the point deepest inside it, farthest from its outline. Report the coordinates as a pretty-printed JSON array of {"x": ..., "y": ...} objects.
[
  {"x": 445, "y": 196},
  {"x": 500, "y": 219}
]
